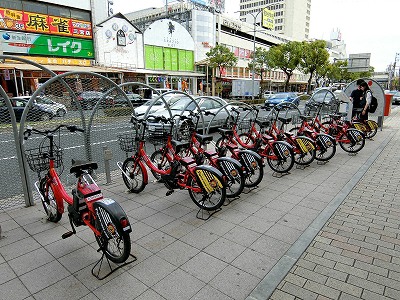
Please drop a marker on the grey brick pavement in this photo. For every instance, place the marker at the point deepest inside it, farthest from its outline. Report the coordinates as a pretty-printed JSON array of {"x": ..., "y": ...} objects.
[
  {"x": 356, "y": 254},
  {"x": 241, "y": 252}
]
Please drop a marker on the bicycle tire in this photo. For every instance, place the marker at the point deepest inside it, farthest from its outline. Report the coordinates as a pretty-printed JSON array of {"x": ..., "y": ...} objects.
[
  {"x": 373, "y": 129},
  {"x": 48, "y": 201},
  {"x": 115, "y": 243},
  {"x": 160, "y": 161},
  {"x": 350, "y": 144},
  {"x": 204, "y": 199},
  {"x": 136, "y": 181},
  {"x": 304, "y": 158},
  {"x": 326, "y": 147},
  {"x": 233, "y": 175},
  {"x": 253, "y": 166},
  {"x": 280, "y": 164}
]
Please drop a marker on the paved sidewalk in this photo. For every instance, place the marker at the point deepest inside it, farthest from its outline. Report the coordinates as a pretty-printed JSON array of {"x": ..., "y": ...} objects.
[
  {"x": 356, "y": 255},
  {"x": 242, "y": 251}
]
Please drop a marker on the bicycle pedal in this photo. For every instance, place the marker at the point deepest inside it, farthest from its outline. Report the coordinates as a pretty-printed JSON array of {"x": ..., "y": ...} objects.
[
  {"x": 169, "y": 192},
  {"x": 67, "y": 234}
]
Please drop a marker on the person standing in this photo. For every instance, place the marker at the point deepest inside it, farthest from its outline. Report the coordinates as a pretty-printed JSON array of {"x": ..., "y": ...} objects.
[
  {"x": 356, "y": 97},
  {"x": 366, "y": 100}
]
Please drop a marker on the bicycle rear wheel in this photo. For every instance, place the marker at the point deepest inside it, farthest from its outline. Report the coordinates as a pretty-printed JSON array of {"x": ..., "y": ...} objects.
[
  {"x": 234, "y": 178},
  {"x": 281, "y": 162},
  {"x": 372, "y": 129},
  {"x": 326, "y": 147},
  {"x": 49, "y": 202},
  {"x": 351, "y": 141},
  {"x": 207, "y": 198},
  {"x": 114, "y": 242},
  {"x": 253, "y": 166},
  {"x": 133, "y": 175}
]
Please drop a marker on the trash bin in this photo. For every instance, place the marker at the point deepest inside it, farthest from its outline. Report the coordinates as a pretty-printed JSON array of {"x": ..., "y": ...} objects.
[{"x": 388, "y": 105}]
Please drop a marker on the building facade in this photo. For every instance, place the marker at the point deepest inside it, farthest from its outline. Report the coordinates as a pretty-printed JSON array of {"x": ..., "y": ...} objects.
[{"x": 291, "y": 17}]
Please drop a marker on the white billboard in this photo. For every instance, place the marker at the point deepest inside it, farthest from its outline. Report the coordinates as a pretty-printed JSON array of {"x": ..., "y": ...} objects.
[{"x": 169, "y": 34}]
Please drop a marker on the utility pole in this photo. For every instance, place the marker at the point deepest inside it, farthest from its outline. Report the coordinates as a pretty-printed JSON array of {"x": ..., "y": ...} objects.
[{"x": 254, "y": 51}]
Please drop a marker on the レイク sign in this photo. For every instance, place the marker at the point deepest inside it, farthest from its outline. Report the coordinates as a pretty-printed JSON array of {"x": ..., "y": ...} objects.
[{"x": 42, "y": 44}]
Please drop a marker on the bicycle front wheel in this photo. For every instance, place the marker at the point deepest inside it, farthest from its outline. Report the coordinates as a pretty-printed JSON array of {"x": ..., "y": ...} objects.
[
  {"x": 133, "y": 175},
  {"x": 49, "y": 202},
  {"x": 114, "y": 242},
  {"x": 207, "y": 198}
]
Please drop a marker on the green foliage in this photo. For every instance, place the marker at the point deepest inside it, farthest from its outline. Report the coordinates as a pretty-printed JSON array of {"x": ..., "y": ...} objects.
[
  {"x": 221, "y": 57},
  {"x": 260, "y": 65},
  {"x": 286, "y": 57},
  {"x": 314, "y": 56}
]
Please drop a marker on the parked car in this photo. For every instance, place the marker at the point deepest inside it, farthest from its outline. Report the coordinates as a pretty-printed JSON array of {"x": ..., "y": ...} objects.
[
  {"x": 396, "y": 98},
  {"x": 322, "y": 95},
  {"x": 158, "y": 104},
  {"x": 186, "y": 104},
  {"x": 35, "y": 113},
  {"x": 57, "y": 108},
  {"x": 88, "y": 99},
  {"x": 282, "y": 97},
  {"x": 135, "y": 99},
  {"x": 268, "y": 94}
]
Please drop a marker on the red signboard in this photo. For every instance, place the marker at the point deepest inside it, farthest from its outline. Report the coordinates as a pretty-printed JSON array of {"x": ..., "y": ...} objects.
[{"x": 40, "y": 23}]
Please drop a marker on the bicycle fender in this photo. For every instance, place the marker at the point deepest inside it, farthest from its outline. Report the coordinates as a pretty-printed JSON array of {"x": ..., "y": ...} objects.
[
  {"x": 145, "y": 174},
  {"x": 355, "y": 135},
  {"x": 252, "y": 153},
  {"x": 282, "y": 149},
  {"x": 224, "y": 162},
  {"x": 115, "y": 211},
  {"x": 209, "y": 178},
  {"x": 325, "y": 140},
  {"x": 305, "y": 144}
]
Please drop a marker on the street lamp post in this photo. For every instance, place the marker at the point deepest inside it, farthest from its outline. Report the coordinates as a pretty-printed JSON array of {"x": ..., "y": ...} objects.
[{"x": 254, "y": 51}]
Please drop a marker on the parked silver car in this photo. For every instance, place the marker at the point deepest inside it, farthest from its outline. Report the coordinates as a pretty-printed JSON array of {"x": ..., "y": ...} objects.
[{"x": 213, "y": 113}]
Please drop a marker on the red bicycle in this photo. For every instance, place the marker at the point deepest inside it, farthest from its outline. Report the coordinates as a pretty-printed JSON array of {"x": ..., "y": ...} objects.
[
  {"x": 86, "y": 206},
  {"x": 279, "y": 154},
  {"x": 205, "y": 183}
]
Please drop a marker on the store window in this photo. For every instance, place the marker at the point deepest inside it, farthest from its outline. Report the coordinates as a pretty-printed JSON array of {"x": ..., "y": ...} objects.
[
  {"x": 34, "y": 7},
  {"x": 59, "y": 11},
  {"x": 11, "y": 4}
]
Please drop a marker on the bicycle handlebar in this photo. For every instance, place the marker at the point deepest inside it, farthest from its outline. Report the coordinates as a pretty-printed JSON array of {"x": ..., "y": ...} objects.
[{"x": 72, "y": 128}]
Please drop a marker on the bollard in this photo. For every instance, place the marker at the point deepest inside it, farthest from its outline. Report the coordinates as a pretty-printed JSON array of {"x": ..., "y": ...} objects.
[
  {"x": 107, "y": 157},
  {"x": 0, "y": 231}
]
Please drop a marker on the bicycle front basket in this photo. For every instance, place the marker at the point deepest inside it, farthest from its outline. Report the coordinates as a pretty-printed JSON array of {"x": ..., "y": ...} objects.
[
  {"x": 127, "y": 141},
  {"x": 38, "y": 158}
]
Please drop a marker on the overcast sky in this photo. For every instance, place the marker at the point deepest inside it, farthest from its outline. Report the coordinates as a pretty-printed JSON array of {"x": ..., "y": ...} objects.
[{"x": 367, "y": 26}]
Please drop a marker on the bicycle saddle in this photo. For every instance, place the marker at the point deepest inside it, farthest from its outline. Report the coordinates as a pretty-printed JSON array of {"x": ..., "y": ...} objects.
[
  {"x": 79, "y": 165},
  {"x": 204, "y": 138},
  {"x": 284, "y": 120}
]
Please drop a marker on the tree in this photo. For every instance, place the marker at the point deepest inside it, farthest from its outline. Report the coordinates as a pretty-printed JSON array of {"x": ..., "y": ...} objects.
[
  {"x": 221, "y": 57},
  {"x": 260, "y": 64},
  {"x": 285, "y": 57},
  {"x": 314, "y": 55}
]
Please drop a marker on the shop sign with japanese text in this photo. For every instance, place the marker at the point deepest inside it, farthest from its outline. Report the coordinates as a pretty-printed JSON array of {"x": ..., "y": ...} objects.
[
  {"x": 41, "y": 23},
  {"x": 43, "y": 44}
]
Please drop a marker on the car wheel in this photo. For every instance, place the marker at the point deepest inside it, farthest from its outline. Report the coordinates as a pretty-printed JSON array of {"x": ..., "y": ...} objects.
[{"x": 61, "y": 112}]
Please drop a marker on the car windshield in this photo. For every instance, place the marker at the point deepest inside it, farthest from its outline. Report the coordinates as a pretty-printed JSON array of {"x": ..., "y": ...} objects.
[
  {"x": 183, "y": 103},
  {"x": 280, "y": 96},
  {"x": 42, "y": 100}
]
